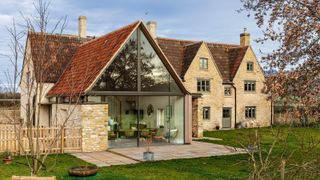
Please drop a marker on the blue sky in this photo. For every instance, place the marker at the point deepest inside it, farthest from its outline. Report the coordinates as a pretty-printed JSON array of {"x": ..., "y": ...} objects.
[{"x": 209, "y": 20}]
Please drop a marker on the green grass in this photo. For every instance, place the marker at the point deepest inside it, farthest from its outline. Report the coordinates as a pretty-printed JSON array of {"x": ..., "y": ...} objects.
[{"x": 223, "y": 167}]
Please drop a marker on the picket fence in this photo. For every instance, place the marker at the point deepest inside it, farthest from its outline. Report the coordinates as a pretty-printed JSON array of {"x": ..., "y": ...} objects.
[{"x": 49, "y": 139}]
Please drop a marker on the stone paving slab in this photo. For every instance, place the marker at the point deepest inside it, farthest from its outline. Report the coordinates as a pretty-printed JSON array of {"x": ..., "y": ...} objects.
[
  {"x": 168, "y": 152},
  {"x": 104, "y": 158},
  {"x": 132, "y": 155}
]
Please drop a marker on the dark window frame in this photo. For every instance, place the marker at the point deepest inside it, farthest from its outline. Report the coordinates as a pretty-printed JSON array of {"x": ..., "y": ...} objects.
[
  {"x": 250, "y": 66},
  {"x": 206, "y": 112},
  {"x": 203, "y": 85},
  {"x": 227, "y": 89},
  {"x": 250, "y": 112},
  {"x": 249, "y": 86}
]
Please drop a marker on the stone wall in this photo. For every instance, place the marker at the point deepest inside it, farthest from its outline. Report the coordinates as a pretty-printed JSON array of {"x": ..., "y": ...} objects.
[
  {"x": 197, "y": 125},
  {"x": 94, "y": 127},
  {"x": 216, "y": 99},
  {"x": 257, "y": 98},
  {"x": 212, "y": 99}
]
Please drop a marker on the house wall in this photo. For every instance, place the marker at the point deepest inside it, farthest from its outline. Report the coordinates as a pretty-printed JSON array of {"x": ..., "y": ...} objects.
[
  {"x": 27, "y": 90},
  {"x": 229, "y": 102},
  {"x": 31, "y": 88},
  {"x": 94, "y": 122},
  {"x": 68, "y": 113},
  {"x": 257, "y": 98},
  {"x": 214, "y": 98}
]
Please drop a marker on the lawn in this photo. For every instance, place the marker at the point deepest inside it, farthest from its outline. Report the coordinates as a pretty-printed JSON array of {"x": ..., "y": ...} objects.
[{"x": 223, "y": 167}]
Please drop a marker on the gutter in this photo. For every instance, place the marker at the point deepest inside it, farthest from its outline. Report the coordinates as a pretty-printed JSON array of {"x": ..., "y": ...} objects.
[{"x": 235, "y": 105}]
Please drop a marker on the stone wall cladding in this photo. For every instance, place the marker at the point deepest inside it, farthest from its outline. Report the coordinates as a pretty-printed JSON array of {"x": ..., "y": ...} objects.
[
  {"x": 94, "y": 127},
  {"x": 257, "y": 98},
  {"x": 214, "y": 98}
]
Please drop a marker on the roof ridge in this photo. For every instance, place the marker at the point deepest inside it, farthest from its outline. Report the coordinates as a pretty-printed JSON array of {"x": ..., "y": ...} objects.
[
  {"x": 119, "y": 29},
  {"x": 174, "y": 39},
  {"x": 223, "y": 44},
  {"x": 58, "y": 35},
  {"x": 194, "y": 43},
  {"x": 212, "y": 43}
]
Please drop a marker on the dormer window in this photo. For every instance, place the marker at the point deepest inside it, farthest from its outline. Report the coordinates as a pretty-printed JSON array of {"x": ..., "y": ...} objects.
[
  {"x": 249, "y": 66},
  {"x": 203, "y": 63}
]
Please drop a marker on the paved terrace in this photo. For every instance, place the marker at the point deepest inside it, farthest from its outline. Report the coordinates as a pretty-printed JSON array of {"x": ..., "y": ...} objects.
[{"x": 121, "y": 156}]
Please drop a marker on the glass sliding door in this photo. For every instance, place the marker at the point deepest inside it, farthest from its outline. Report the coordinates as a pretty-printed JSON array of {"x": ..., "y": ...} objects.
[
  {"x": 122, "y": 121},
  {"x": 155, "y": 118},
  {"x": 133, "y": 119}
]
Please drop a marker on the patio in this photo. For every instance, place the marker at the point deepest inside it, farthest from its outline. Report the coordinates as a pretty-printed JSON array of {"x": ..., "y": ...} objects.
[{"x": 121, "y": 156}]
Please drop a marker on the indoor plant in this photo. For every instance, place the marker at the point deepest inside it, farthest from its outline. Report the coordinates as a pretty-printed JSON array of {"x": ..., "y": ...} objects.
[{"x": 7, "y": 157}]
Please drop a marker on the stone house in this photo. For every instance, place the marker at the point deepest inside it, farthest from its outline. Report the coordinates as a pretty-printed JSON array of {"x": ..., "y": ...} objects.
[{"x": 129, "y": 84}]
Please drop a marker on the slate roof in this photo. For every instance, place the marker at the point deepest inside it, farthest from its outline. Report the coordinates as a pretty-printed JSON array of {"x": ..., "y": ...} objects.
[
  {"x": 57, "y": 53},
  {"x": 89, "y": 60},
  {"x": 181, "y": 53}
]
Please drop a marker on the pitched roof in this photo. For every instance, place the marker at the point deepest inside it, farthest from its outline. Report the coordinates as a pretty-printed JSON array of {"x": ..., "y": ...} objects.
[
  {"x": 181, "y": 53},
  {"x": 89, "y": 60},
  {"x": 57, "y": 53}
]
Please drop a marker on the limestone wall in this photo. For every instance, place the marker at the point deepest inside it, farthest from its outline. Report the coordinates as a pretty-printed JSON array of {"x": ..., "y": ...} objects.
[
  {"x": 94, "y": 127},
  {"x": 257, "y": 98},
  {"x": 212, "y": 99}
]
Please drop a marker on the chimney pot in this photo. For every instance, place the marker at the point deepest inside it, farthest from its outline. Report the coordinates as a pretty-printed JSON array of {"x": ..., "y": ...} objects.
[
  {"x": 152, "y": 28},
  {"x": 82, "y": 26},
  {"x": 245, "y": 38}
]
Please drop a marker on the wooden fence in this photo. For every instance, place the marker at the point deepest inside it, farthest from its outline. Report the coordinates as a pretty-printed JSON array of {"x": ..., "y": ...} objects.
[{"x": 50, "y": 140}]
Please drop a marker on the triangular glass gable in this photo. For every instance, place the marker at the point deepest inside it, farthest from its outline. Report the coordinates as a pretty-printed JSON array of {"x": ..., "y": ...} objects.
[
  {"x": 122, "y": 74},
  {"x": 154, "y": 75}
]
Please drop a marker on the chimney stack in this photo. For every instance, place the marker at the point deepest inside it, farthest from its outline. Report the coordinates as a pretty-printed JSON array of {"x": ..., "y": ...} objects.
[
  {"x": 245, "y": 38},
  {"x": 82, "y": 26},
  {"x": 152, "y": 28}
]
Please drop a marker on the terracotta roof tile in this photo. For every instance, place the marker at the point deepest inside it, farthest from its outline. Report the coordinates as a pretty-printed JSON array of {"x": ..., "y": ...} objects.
[
  {"x": 89, "y": 60},
  {"x": 180, "y": 53},
  {"x": 57, "y": 53}
]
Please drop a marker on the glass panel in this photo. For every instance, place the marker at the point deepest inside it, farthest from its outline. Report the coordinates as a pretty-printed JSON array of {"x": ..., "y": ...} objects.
[
  {"x": 154, "y": 75},
  {"x": 156, "y": 116},
  {"x": 122, "y": 121},
  {"x": 177, "y": 120},
  {"x": 121, "y": 75}
]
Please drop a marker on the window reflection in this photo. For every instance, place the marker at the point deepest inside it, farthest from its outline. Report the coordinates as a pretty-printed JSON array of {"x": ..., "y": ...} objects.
[{"x": 122, "y": 74}]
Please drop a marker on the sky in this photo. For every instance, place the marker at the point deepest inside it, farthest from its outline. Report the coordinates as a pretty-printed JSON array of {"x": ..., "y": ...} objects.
[{"x": 207, "y": 20}]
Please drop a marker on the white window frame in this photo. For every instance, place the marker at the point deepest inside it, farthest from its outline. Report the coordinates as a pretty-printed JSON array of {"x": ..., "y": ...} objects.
[{"x": 204, "y": 63}]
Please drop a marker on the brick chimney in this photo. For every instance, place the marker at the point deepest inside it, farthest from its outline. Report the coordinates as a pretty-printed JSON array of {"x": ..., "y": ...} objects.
[
  {"x": 245, "y": 38},
  {"x": 152, "y": 28},
  {"x": 82, "y": 26}
]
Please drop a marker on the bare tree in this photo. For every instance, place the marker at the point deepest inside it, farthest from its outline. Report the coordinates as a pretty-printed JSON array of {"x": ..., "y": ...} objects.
[{"x": 34, "y": 84}]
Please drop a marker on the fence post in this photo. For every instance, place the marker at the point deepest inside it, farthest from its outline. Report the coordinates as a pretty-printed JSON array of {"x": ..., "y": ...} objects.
[{"x": 62, "y": 139}]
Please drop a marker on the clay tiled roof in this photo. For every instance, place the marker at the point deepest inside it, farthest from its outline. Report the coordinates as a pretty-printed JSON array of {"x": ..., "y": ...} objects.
[
  {"x": 89, "y": 60},
  {"x": 51, "y": 54},
  {"x": 190, "y": 51},
  {"x": 181, "y": 53},
  {"x": 174, "y": 51}
]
